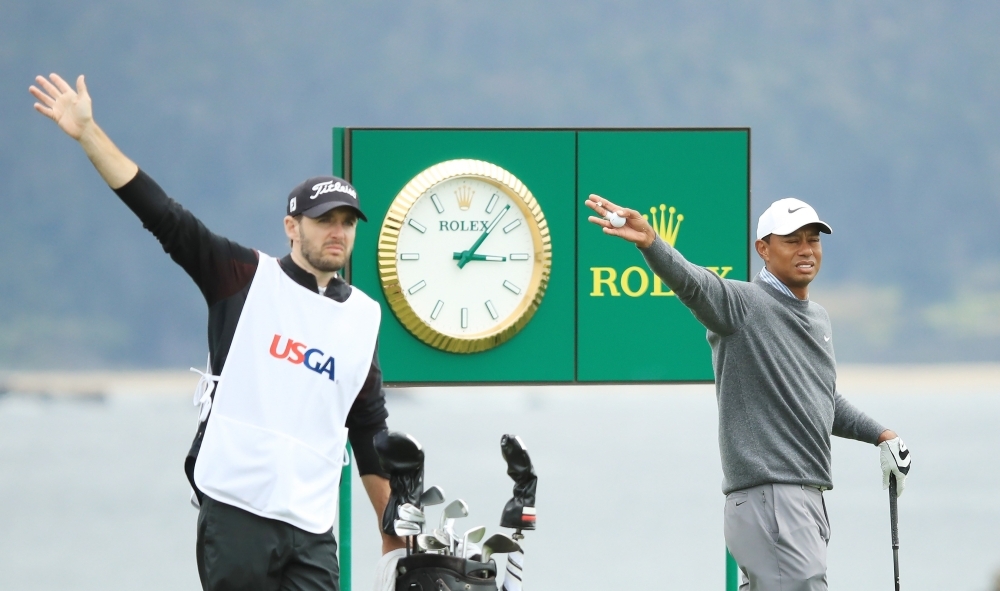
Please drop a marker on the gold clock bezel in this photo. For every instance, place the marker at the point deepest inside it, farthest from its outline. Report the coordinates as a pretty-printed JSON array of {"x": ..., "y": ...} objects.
[{"x": 388, "y": 257}]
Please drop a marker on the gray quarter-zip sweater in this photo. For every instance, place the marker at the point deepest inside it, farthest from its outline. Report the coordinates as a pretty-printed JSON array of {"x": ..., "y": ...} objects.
[{"x": 775, "y": 376}]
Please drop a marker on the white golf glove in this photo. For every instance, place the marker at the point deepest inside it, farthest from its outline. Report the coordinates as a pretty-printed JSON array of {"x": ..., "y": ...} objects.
[{"x": 895, "y": 460}]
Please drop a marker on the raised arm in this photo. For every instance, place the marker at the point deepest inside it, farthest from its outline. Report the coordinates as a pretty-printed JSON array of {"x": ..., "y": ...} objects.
[
  {"x": 218, "y": 266},
  {"x": 72, "y": 111},
  {"x": 717, "y": 303}
]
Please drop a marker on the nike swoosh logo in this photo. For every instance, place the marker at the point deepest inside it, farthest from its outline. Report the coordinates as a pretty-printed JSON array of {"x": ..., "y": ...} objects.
[
  {"x": 826, "y": 338},
  {"x": 790, "y": 210},
  {"x": 739, "y": 503},
  {"x": 904, "y": 453}
]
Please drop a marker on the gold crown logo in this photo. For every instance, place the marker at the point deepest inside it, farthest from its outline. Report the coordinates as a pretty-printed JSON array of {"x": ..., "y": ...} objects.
[
  {"x": 464, "y": 194},
  {"x": 666, "y": 227}
]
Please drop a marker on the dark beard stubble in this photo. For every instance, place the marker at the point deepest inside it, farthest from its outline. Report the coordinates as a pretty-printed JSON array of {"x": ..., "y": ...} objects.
[{"x": 317, "y": 260}]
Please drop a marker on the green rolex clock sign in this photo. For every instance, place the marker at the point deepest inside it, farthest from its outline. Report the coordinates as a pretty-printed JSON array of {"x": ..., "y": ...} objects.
[{"x": 479, "y": 250}]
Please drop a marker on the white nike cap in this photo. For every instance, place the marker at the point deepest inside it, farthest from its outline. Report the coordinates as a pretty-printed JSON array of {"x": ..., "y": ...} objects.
[{"x": 788, "y": 215}]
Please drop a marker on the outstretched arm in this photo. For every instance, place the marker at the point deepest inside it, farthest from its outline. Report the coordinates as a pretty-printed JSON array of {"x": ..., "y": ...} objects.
[
  {"x": 72, "y": 111},
  {"x": 717, "y": 303}
]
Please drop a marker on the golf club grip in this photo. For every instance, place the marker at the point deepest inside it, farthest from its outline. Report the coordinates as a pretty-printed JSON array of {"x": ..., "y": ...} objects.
[
  {"x": 894, "y": 522},
  {"x": 893, "y": 513}
]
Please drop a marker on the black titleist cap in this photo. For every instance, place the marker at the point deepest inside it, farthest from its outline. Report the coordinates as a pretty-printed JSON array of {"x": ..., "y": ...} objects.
[{"x": 318, "y": 195}]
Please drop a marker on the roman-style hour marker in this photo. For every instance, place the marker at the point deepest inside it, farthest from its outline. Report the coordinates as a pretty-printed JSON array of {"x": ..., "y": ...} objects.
[
  {"x": 492, "y": 310},
  {"x": 511, "y": 226},
  {"x": 437, "y": 203},
  {"x": 409, "y": 256},
  {"x": 416, "y": 226},
  {"x": 515, "y": 289},
  {"x": 418, "y": 286},
  {"x": 520, "y": 256},
  {"x": 465, "y": 318},
  {"x": 437, "y": 310},
  {"x": 492, "y": 203}
]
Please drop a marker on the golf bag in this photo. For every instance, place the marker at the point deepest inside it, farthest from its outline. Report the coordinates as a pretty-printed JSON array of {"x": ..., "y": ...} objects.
[
  {"x": 438, "y": 568},
  {"x": 434, "y": 572}
]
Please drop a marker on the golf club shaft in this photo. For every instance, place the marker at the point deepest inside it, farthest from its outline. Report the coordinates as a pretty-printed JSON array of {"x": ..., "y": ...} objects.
[{"x": 894, "y": 521}]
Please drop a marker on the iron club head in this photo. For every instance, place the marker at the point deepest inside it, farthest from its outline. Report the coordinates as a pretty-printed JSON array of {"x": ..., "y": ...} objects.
[
  {"x": 406, "y": 528},
  {"x": 408, "y": 512},
  {"x": 432, "y": 496},
  {"x": 454, "y": 510},
  {"x": 499, "y": 544},
  {"x": 472, "y": 536},
  {"x": 442, "y": 537},
  {"x": 430, "y": 543}
]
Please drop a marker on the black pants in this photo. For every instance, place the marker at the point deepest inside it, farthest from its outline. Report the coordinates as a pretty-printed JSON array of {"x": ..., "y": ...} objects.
[{"x": 240, "y": 551}]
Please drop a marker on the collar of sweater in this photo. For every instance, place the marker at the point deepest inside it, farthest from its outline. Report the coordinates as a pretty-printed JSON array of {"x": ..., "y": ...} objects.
[{"x": 768, "y": 279}]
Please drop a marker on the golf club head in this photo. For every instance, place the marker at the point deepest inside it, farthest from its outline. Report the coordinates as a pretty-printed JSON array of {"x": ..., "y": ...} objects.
[
  {"x": 456, "y": 509},
  {"x": 408, "y": 512},
  {"x": 430, "y": 543},
  {"x": 499, "y": 544},
  {"x": 402, "y": 457},
  {"x": 519, "y": 512},
  {"x": 432, "y": 496},
  {"x": 405, "y": 528},
  {"x": 442, "y": 537},
  {"x": 473, "y": 535}
]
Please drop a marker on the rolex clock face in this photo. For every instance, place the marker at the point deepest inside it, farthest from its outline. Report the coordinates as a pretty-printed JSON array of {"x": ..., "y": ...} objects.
[{"x": 464, "y": 256}]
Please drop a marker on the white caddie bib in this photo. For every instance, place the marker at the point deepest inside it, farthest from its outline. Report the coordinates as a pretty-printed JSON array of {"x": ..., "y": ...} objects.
[{"x": 275, "y": 438}]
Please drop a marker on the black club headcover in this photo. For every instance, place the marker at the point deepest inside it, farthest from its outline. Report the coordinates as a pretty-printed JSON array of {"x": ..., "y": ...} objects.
[
  {"x": 402, "y": 457},
  {"x": 519, "y": 513}
]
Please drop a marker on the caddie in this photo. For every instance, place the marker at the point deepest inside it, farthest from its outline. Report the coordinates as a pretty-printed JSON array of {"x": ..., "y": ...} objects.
[
  {"x": 776, "y": 387},
  {"x": 293, "y": 371}
]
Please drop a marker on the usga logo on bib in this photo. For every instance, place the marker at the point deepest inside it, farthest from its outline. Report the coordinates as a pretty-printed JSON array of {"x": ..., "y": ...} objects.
[{"x": 301, "y": 354}]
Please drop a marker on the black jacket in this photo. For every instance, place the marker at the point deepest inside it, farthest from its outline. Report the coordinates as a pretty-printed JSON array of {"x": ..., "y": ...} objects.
[{"x": 224, "y": 270}]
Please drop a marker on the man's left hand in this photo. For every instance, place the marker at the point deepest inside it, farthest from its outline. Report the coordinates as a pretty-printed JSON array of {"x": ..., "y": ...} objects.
[{"x": 895, "y": 458}]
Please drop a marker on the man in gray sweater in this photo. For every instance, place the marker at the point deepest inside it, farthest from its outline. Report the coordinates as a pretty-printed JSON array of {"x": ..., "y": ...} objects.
[{"x": 776, "y": 385}]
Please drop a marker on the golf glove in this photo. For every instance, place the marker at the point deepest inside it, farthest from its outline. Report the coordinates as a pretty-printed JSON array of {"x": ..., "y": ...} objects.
[{"x": 895, "y": 460}]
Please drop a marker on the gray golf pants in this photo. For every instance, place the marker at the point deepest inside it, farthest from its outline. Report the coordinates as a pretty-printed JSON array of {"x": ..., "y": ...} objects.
[{"x": 778, "y": 534}]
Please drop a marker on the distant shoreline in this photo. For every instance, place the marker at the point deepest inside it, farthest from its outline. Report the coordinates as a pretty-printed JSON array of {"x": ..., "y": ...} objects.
[{"x": 853, "y": 378}]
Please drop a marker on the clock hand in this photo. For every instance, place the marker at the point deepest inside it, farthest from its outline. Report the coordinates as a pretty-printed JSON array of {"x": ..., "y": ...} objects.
[
  {"x": 467, "y": 254},
  {"x": 478, "y": 257}
]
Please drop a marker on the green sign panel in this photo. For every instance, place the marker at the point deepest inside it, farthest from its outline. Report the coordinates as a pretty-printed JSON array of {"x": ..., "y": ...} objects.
[{"x": 601, "y": 316}]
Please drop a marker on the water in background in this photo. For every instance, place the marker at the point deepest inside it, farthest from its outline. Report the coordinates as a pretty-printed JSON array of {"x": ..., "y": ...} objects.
[{"x": 93, "y": 496}]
